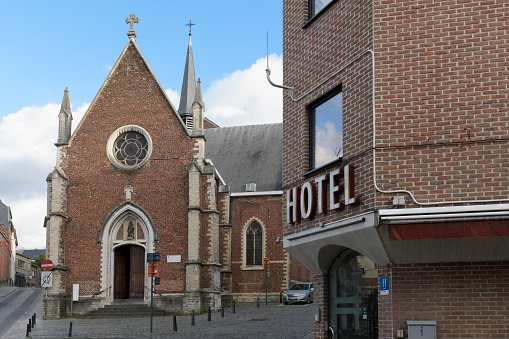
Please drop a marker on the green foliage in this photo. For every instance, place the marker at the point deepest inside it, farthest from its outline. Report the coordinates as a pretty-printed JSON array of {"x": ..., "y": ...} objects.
[{"x": 39, "y": 259}]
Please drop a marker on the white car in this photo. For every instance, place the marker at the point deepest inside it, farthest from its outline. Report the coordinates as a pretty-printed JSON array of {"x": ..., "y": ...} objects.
[{"x": 299, "y": 292}]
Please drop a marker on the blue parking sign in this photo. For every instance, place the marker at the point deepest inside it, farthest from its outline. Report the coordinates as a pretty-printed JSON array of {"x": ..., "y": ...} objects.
[{"x": 384, "y": 285}]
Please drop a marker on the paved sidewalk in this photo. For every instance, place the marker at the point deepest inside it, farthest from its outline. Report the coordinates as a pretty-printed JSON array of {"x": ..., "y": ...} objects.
[{"x": 249, "y": 322}]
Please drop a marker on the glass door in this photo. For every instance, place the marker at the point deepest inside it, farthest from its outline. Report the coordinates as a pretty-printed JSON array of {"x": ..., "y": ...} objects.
[{"x": 353, "y": 297}]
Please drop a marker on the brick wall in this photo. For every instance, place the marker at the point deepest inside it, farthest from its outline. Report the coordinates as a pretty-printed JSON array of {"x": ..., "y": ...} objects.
[
  {"x": 266, "y": 210},
  {"x": 314, "y": 69},
  {"x": 5, "y": 244},
  {"x": 441, "y": 98},
  {"x": 130, "y": 96},
  {"x": 466, "y": 299}
]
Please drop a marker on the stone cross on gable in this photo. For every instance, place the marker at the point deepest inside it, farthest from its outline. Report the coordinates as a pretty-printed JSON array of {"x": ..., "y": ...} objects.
[
  {"x": 190, "y": 26},
  {"x": 128, "y": 190},
  {"x": 132, "y": 20}
]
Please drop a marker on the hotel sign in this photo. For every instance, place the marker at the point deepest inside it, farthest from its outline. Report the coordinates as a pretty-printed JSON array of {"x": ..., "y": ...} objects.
[{"x": 309, "y": 199}]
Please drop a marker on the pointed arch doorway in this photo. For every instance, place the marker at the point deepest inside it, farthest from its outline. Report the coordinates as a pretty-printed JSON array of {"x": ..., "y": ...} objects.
[{"x": 129, "y": 272}]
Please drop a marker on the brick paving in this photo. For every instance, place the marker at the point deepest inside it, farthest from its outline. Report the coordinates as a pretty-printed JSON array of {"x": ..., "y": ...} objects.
[{"x": 272, "y": 321}]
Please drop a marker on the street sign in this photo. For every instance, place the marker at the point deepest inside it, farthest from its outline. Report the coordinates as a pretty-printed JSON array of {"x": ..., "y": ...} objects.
[
  {"x": 75, "y": 292},
  {"x": 152, "y": 269},
  {"x": 384, "y": 285},
  {"x": 153, "y": 257},
  {"x": 266, "y": 263},
  {"x": 46, "y": 265},
  {"x": 46, "y": 279}
]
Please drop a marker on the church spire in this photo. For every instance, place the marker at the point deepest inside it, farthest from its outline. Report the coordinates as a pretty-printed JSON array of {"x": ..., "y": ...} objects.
[
  {"x": 64, "y": 120},
  {"x": 188, "y": 86},
  {"x": 198, "y": 110}
]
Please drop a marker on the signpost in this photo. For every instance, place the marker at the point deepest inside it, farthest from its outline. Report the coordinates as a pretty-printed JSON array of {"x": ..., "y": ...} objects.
[
  {"x": 266, "y": 262},
  {"x": 46, "y": 279},
  {"x": 152, "y": 260}
]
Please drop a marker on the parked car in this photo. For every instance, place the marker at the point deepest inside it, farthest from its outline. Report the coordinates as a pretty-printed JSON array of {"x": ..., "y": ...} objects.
[{"x": 299, "y": 292}]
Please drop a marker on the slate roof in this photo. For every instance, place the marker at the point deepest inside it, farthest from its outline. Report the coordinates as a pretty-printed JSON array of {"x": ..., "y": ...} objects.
[
  {"x": 32, "y": 254},
  {"x": 247, "y": 154}
]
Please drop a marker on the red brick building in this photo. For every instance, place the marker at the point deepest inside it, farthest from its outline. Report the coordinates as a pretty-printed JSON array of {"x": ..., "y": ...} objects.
[
  {"x": 396, "y": 188},
  {"x": 137, "y": 177},
  {"x": 5, "y": 257}
]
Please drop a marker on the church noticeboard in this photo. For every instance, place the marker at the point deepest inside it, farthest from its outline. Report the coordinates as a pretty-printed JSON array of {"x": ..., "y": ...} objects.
[{"x": 173, "y": 258}]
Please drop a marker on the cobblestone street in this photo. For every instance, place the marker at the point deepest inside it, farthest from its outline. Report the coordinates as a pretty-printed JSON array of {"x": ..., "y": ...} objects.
[{"x": 272, "y": 321}]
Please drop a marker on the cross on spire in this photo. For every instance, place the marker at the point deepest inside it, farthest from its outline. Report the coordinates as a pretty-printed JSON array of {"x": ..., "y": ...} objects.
[
  {"x": 190, "y": 24},
  {"x": 132, "y": 20}
]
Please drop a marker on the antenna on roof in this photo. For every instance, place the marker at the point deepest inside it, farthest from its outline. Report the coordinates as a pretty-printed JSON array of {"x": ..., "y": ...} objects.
[{"x": 267, "y": 71}]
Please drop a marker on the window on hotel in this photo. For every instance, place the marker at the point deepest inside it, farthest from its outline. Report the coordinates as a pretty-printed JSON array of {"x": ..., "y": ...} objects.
[
  {"x": 254, "y": 242},
  {"x": 326, "y": 129},
  {"x": 315, "y": 6}
]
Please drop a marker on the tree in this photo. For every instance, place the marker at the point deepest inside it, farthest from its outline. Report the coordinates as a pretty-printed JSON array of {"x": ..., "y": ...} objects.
[{"x": 39, "y": 259}]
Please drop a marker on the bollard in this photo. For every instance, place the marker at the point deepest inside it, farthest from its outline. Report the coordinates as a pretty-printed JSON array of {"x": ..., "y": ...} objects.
[
  {"x": 280, "y": 297},
  {"x": 209, "y": 315},
  {"x": 70, "y": 329},
  {"x": 28, "y": 330},
  {"x": 222, "y": 311},
  {"x": 174, "y": 323},
  {"x": 30, "y": 323},
  {"x": 257, "y": 301},
  {"x": 33, "y": 322},
  {"x": 35, "y": 317},
  {"x": 233, "y": 306},
  {"x": 192, "y": 319}
]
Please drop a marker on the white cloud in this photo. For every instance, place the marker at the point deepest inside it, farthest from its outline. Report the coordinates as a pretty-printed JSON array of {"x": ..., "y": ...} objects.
[
  {"x": 28, "y": 157},
  {"x": 174, "y": 97},
  {"x": 245, "y": 97}
]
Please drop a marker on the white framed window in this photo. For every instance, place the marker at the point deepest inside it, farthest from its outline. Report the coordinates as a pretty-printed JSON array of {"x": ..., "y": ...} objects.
[{"x": 253, "y": 250}]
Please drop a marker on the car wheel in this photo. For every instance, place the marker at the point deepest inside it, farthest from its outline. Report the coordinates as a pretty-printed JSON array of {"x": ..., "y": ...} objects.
[{"x": 285, "y": 302}]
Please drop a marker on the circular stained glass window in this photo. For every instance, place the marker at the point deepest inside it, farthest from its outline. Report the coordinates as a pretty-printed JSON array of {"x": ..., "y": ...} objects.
[{"x": 129, "y": 147}]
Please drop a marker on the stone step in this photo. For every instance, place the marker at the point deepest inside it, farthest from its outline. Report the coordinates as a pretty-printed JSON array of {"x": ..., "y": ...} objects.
[{"x": 124, "y": 311}]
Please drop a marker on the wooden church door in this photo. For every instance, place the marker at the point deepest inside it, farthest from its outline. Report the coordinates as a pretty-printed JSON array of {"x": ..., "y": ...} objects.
[{"x": 129, "y": 272}]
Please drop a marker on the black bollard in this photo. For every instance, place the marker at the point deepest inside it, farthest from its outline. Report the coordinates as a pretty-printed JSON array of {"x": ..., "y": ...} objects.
[
  {"x": 35, "y": 317},
  {"x": 222, "y": 311},
  {"x": 70, "y": 329},
  {"x": 174, "y": 323},
  {"x": 192, "y": 319},
  {"x": 257, "y": 301},
  {"x": 33, "y": 322},
  {"x": 28, "y": 330},
  {"x": 280, "y": 297},
  {"x": 209, "y": 315},
  {"x": 30, "y": 323},
  {"x": 233, "y": 306}
]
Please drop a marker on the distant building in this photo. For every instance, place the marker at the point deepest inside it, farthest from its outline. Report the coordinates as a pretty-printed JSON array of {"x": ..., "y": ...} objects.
[
  {"x": 32, "y": 254},
  {"x": 8, "y": 243},
  {"x": 23, "y": 270},
  {"x": 34, "y": 279}
]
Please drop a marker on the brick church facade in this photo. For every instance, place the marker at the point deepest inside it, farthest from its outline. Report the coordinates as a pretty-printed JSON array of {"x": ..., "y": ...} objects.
[
  {"x": 137, "y": 176},
  {"x": 395, "y": 165}
]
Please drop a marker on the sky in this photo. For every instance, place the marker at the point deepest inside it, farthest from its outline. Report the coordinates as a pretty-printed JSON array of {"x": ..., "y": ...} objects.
[{"x": 50, "y": 45}]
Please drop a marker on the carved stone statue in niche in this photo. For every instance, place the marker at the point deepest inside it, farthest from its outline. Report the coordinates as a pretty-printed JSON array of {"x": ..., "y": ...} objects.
[{"x": 130, "y": 229}]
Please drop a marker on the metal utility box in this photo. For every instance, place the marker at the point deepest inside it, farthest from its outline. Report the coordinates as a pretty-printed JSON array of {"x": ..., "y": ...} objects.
[{"x": 422, "y": 329}]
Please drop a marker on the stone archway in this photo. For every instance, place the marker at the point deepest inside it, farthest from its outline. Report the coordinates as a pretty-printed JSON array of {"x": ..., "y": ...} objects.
[{"x": 128, "y": 228}]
